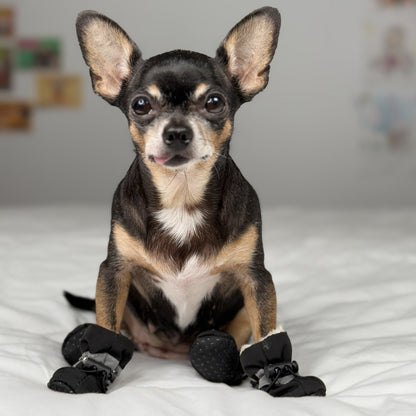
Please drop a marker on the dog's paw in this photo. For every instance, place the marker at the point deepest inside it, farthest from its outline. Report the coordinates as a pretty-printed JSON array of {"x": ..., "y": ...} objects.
[
  {"x": 97, "y": 354},
  {"x": 215, "y": 357},
  {"x": 269, "y": 365},
  {"x": 77, "y": 381},
  {"x": 71, "y": 347}
]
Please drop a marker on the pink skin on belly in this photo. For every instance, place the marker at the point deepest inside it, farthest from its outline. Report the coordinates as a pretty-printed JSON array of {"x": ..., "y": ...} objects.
[{"x": 146, "y": 340}]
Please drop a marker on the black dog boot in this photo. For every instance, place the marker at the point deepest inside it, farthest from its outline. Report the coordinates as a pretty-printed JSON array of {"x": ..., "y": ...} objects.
[
  {"x": 102, "y": 354},
  {"x": 71, "y": 347},
  {"x": 215, "y": 357},
  {"x": 269, "y": 365}
]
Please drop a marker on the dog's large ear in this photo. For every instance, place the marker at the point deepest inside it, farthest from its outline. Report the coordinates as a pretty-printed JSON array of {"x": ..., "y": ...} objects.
[
  {"x": 108, "y": 51},
  {"x": 248, "y": 49}
]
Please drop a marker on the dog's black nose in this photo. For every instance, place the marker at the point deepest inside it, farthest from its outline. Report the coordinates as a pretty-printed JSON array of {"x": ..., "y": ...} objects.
[{"x": 177, "y": 136}]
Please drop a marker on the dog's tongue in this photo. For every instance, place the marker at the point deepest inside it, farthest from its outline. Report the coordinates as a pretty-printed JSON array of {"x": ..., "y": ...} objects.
[{"x": 161, "y": 160}]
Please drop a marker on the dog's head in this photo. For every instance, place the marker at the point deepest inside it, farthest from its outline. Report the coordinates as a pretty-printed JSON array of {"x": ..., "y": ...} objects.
[{"x": 180, "y": 105}]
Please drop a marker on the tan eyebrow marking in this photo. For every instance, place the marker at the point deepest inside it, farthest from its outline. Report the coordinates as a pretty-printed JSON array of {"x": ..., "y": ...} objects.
[
  {"x": 154, "y": 91},
  {"x": 200, "y": 90}
]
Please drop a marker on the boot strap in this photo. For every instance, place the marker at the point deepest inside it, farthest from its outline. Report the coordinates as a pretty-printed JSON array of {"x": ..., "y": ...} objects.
[
  {"x": 272, "y": 374},
  {"x": 103, "y": 363}
]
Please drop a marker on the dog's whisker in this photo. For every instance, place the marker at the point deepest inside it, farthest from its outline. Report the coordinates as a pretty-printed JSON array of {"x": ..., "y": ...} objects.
[
  {"x": 221, "y": 155},
  {"x": 171, "y": 181},
  {"x": 186, "y": 185}
]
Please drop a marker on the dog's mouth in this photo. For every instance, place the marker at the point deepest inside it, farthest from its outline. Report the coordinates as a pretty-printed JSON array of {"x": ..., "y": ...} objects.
[
  {"x": 172, "y": 161},
  {"x": 176, "y": 160}
]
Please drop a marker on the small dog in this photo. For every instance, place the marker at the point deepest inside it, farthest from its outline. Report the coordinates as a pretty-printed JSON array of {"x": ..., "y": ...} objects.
[{"x": 184, "y": 276}]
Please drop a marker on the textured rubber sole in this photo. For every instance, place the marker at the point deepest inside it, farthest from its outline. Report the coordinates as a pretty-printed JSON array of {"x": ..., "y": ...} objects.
[{"x": 215, "y": 357}]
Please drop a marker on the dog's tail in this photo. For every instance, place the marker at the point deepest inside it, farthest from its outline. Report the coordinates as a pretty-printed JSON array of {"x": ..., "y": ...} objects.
[{"x": 79, "y": 302}]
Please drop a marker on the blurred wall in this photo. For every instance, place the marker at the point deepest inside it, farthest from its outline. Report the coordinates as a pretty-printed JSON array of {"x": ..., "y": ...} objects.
[{"x": 298, "y": 142}]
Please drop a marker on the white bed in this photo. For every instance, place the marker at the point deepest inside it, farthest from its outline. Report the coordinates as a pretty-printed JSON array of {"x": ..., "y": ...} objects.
[{"x": 346, "y": 284}]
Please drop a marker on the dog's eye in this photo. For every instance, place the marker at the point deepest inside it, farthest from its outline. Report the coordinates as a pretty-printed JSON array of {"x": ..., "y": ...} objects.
[
  {"x": 141, "y": 106},
  {"x": 214, "y": 104}
]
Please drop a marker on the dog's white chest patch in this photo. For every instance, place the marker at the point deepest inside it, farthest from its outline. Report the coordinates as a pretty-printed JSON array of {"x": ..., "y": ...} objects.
[
  {"x": 187, "y": 289},
  {"x": 180, "y": 223}
]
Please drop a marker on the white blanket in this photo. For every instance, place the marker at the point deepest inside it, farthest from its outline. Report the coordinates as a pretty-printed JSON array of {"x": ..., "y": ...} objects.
[{"x": 346, "y": 285}]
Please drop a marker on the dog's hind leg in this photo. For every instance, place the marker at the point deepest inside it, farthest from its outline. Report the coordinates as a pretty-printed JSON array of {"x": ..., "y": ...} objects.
[
  {"x": 239, "y": 328},
  {"x": 215, "y": 354}
]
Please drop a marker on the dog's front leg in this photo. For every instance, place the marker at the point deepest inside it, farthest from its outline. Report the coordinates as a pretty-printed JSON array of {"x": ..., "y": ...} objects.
[
  {"x": 268, "y": 362},
  {"x": 97, "y": 353},
  {"x": 260, "y": 301},
  {"x": 111, "y": 295}
]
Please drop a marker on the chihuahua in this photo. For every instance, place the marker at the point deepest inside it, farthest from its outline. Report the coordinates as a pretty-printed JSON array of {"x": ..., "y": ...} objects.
[{"x": 184, "y": 276}]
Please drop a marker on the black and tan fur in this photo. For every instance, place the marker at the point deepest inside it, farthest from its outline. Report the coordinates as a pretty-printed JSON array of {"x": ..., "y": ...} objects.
[{"x": 214, "y": 260}]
